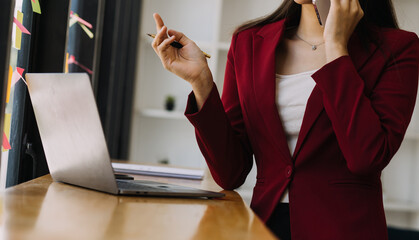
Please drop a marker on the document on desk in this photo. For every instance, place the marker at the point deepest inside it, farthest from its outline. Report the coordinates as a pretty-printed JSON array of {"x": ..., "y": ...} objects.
[{"x": 158, "y": 171}]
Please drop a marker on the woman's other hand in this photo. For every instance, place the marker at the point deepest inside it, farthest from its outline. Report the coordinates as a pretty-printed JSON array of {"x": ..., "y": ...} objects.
[
  {"x": 344, "y": 16},
  {"x": 187, "y": 62}
]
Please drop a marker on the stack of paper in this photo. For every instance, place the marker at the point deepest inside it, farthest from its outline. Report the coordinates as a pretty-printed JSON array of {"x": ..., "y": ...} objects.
[{"x": 158, "y": 171}]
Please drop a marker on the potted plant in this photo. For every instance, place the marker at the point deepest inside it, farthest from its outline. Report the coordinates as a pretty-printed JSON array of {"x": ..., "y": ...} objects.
[{"x": 170, "y": 103}]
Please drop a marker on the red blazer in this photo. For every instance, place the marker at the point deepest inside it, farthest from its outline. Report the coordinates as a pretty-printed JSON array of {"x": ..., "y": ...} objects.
[{"x": 354, "y": 123}]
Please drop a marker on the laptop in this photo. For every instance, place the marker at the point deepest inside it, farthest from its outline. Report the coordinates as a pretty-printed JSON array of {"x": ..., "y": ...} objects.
[{"x": 74, "y": 143}]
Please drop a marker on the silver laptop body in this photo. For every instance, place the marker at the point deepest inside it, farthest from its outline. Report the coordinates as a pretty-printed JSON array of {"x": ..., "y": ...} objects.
[{"x": 73, "y": 139}]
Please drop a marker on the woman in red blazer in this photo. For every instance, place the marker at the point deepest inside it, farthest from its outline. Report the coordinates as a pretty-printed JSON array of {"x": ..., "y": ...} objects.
[{"x": 354, "y": 121}]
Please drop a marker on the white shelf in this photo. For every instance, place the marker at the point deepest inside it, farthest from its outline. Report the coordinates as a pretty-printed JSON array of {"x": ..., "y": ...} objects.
[
  {"x": 412, "y": 135},
  {"x": 399, "y": 206},
  {"x": 224, "y": 46},
  {"x": 163, "y": 114}
]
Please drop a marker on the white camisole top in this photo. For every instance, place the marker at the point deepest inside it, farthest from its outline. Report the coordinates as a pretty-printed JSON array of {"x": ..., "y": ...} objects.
[{"x": 292, "y": 93}]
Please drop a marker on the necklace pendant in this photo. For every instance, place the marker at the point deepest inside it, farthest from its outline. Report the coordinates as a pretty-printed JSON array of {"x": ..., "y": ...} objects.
[{"x": 314, "y": 47}]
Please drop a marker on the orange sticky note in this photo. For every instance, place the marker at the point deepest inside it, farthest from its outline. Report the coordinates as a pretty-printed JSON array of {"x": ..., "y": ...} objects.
[
  {"x": 6, "y": 144},
  {"x": 66, "y": 63},
  {"x": 9, "y": 84}
]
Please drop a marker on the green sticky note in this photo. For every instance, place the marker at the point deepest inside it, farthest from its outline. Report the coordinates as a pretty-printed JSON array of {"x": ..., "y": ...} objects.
[
  {"x": 35, "y": 6},
  {"x": 86, "y": 30}
]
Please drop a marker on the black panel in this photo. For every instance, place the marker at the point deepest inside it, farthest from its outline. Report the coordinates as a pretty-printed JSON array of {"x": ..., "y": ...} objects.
[
  {"x": 6, "y": 17},
  {"x": 47, "y": 54},
  {"x": 117, "y": 73},
  {"x": 80, "y": 45}
]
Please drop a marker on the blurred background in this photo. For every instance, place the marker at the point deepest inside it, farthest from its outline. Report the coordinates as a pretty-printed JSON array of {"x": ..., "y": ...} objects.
[{"x": 141, "y": 105}]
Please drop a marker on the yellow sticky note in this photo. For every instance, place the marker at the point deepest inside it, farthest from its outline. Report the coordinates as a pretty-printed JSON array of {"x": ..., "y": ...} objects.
[
  {"x": 18, "y": 39},
  {"x": 88, "y": 32},
  {"x": 66, "y": 63},
  {"x": 35, "y": 6},
  {"x": 7, "y": 124},
  {"x": 9, "y": 84}
]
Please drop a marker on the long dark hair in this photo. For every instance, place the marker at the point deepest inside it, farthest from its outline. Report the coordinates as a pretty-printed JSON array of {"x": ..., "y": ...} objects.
[{"x": 376, "y": 12}]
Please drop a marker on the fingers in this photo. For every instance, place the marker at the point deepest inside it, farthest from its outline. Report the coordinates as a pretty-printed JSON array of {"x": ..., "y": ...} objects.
[
  {"x": 162, "y": 48},
  {"x": 159, "y": 21},
  {"x": 352, "y": 7},
  {"x": 180, "y": 37},
  {"x": 345, "y": 4},
  {"x": 357, "y": 6},
  {"x": 165, "y": 52},
  {"x": 160, "y": 37},
  {"x": 161, "y": 42},
  {"x": 161, "y": 32}
]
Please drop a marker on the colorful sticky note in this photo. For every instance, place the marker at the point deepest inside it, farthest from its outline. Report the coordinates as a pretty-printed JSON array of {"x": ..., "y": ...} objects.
[
  {"x": 20, "y": 71},
  {"x": 66, "y": 63},
  {"x": 6, "y": 144},
  {"x": 17, "y": 75},
  {"x": 80, "y": 20},
  {"x": 72, "y": 60},
  {"x": 9, "y": 84},
  {"x": 35, "y": 6},
  {"x": 72, "y": 22},
  {"x": 20, "y": 26},
  {"x": 83, "y": 24},
  {"x": 15, "y": 78},
  {"x": 7, "y": 125},
  {"x": 18, "y": 37},
  {"x": 87, "y": 31}
]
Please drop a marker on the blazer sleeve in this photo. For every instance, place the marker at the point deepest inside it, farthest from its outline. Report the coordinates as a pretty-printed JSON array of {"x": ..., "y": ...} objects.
[
  {"x": 220, "y": 131},
  {"x": 370, "y": 128}
]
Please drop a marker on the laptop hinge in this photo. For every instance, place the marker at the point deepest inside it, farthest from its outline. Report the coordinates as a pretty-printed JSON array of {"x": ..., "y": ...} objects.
[{"x": 31, "y": 152}]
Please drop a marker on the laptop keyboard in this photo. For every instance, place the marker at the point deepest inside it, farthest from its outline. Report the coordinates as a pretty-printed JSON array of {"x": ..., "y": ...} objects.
[{"x": 131, "y": 185}]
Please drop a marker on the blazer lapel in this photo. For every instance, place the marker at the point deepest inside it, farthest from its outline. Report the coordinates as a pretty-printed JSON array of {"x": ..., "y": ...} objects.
[
  {"x": 314, "y": 107},
  {"x": 359, "y": 57},
  {"x": 265, "y": 42}
]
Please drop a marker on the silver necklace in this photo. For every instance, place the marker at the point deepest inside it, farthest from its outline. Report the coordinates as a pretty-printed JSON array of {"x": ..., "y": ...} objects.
[{"x": 313, "y": 46}]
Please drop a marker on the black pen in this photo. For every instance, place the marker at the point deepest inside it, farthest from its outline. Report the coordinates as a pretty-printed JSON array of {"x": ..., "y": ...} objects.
[{"x": 178, "y": 45}]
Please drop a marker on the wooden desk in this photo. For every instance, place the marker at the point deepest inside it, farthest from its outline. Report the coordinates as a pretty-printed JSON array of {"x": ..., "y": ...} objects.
[{"x": 43, "y": 209}]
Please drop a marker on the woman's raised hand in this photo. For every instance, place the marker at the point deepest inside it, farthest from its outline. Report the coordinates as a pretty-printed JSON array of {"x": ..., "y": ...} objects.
[
  {"x": 187, "y": 62},
  {"x": 344, "y": 16}
]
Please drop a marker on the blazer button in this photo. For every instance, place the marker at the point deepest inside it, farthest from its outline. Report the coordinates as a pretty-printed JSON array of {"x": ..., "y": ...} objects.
[{"x": 288, "y": 171}]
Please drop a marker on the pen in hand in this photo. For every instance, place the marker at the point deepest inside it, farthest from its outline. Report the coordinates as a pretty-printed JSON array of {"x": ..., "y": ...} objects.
[{"x": 178, "y": 45}]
